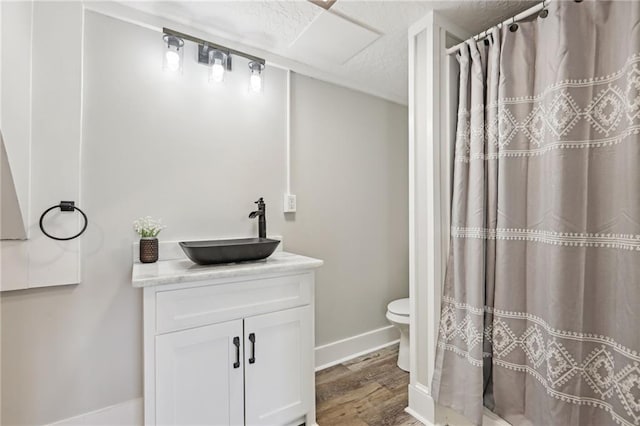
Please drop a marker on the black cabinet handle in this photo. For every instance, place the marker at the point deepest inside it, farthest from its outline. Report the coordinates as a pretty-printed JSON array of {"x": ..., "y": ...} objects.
[
  {"x": 236, "y": 343},
  {"x": 252, "y": 339}
]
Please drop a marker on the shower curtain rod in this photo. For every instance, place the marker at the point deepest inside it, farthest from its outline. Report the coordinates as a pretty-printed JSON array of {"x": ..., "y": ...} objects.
[{"x": 535, "y": 9}]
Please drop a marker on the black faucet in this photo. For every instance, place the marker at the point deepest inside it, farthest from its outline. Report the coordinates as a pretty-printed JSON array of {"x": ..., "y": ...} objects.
[{"x": 262, "y": 218}]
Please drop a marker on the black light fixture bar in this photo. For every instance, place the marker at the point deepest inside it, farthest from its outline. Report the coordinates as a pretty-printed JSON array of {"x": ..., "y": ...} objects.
[{"x": 211, "y": 45}]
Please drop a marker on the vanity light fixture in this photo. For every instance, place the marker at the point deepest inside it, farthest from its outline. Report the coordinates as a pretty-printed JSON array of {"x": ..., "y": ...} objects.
[
  {"x": 173, "y": 54},
  {"x": 256, "y": 79},
  {"x": 215, "y": 56}
]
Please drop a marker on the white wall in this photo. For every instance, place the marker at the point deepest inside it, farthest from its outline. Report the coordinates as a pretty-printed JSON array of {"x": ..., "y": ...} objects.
[
  {"x": 195, "y": 154},
  {"x": 349, "y": 171},
  {"x": 198, "y": 156}
]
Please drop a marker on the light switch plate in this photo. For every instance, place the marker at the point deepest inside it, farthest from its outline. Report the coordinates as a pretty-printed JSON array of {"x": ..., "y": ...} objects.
[{"x": 289, "y": 203}]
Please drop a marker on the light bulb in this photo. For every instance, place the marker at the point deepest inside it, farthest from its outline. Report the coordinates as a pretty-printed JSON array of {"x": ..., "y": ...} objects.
[
  {"x": 217, "y": 71},
  {"x": 255, "y": 79},
  {"x": 255, "y": 82},
  {"x": 173, "y": 60}
]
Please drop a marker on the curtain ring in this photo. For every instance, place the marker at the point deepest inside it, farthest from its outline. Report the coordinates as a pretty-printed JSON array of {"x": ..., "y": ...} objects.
[
  {"x": 486, "y": 37},
  {"x": 544, "y": 12},
  {"x": 513, "y": 27}
]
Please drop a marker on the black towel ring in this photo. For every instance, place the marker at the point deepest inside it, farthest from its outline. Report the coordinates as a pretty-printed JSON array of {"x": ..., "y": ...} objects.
[{"x": 65, "y": 206}]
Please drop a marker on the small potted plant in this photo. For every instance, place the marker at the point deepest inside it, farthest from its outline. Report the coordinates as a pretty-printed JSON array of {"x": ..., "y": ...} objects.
[{"x": 148, "y": 229}]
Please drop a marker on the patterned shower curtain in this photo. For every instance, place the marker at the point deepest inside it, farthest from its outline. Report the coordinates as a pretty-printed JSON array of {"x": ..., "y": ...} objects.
[{"x": 540, "y": 319}]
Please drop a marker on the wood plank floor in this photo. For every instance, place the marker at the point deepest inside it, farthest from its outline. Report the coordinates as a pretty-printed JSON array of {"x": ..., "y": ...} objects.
[{"x": 368, "y": 391}]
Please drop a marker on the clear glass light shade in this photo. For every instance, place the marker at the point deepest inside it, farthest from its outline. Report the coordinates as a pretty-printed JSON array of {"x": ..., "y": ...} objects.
[
  {"x": 173, "y": 60},
  {"x": 218, "y": 63},
  {"x": 217, "y": 72},
  {"x": 256, "y": 80},
  {"x": 173, "y": 53}
]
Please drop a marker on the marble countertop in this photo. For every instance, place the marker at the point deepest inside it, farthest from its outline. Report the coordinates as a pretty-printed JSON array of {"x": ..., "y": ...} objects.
[{"x": 183, "y": 270}]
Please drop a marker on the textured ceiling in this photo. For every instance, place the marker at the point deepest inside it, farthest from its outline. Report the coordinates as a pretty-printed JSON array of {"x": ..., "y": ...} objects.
[{"x": 381, "y": 67}]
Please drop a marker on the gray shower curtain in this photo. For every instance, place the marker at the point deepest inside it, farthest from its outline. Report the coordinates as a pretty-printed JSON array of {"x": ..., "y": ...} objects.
[{"x": 540, "y": 319}]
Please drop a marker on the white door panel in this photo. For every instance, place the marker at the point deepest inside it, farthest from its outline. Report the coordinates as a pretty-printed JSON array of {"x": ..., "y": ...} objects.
[
  {"x": 198, "y": 381},
  {"x": 278, "y": 386}
]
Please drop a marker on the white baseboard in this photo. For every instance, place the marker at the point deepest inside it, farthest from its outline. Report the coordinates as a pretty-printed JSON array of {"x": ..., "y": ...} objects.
[
  {"x": 421, "y": 405},
  {"x": 418, "y": 417},
  {"x": 128, "y": 413},
  {"x": 352, "y": 347}
]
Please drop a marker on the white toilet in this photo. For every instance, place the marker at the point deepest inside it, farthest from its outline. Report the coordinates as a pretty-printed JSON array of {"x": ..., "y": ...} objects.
[{"x": 398, "y": 315}]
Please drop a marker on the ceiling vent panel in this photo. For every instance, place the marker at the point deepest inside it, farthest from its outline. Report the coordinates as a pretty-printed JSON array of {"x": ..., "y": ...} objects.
[{"x": 331, "y": 39}]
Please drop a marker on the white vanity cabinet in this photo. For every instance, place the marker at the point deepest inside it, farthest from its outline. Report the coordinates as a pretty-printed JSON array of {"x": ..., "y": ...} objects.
[{"x": 229, "y": 345}]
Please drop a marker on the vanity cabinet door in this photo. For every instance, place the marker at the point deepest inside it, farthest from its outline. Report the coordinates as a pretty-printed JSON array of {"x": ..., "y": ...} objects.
[
  {"x": 199, "y": 376},
  {"x": 278, "y": 367}
]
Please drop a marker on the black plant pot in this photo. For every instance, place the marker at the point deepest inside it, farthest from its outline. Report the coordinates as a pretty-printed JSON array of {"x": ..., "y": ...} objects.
[{"x": 148, "y": 250}]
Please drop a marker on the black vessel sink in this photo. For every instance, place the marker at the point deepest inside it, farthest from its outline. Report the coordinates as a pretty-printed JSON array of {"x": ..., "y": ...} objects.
[{"x": 229, "y": 251}]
